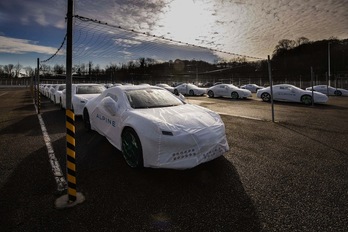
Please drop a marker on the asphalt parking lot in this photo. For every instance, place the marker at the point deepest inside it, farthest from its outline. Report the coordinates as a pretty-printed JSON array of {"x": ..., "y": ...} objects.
[{"x": 290, "y": 175}]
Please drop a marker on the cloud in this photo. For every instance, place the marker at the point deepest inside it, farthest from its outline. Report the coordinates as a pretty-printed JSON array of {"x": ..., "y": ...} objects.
[
  {"x": 127, "y": 42},
  {"x": 132, "y": 14},
  {"x": 41, "y": 12},
  {"x": 22, "y": 46},
  {"x": 249, "y": 27}
]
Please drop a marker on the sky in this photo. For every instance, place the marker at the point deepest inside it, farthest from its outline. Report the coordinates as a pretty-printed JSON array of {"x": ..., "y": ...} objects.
[{"x": 33, "y": 29}]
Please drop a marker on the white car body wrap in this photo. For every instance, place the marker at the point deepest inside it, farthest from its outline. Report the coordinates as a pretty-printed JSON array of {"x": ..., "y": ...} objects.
[{"x": 177, "y": 137}]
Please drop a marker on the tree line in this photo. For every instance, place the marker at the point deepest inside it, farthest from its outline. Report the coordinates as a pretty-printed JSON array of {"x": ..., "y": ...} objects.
[{"x": 290, "y": 59}]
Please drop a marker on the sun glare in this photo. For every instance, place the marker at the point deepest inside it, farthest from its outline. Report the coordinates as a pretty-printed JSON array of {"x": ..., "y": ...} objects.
[{"x": 186, "y": 20}]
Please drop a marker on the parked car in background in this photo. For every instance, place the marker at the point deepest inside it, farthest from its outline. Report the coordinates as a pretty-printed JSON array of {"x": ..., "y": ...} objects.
[
  {"x": 153, "y": 128},
  {"x": 108, "y": 85},
  {"x": 45, "y": 90},
  {"x": 57, "y": 93},
  {"x": 329, "y": 90},
  {"x": 50, "y": 91},
  {"x": 80, "y": 95},
  {"x": 291, "y": 93},
  {"x": 228, "y": 90},
  {"x": 252, "y": 87},
  {"x": 167, "y": 87},
  {"x": 189, "y": 89}
]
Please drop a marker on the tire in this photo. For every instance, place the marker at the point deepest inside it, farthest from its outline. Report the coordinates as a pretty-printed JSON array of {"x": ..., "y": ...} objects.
[
  {"x": 234, "y": 95},
  {"x": 338, "y": 93},
  {"x": 191, "y": 92},
  {"x": 54, "y": 100},
  {"x": 86, "y": 120},
  {"x": 306, "y": 99},
  {"x": 210, "y": 93},
  {"x": 131, "y": 148},
  {"x": 266, "y": 97}
]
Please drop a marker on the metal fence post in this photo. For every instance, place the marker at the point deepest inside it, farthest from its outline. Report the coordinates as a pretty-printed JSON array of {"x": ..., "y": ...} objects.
[
  {"x": 73, "y": 197},
  {"x": 271, "y": 86}
]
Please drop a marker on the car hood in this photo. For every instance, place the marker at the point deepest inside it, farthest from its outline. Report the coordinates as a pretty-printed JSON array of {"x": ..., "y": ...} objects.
[{"x": 189, "y": 118}]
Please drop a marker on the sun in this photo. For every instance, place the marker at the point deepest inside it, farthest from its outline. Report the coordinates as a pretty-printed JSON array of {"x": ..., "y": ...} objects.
[{"x": 186, "y": 20}]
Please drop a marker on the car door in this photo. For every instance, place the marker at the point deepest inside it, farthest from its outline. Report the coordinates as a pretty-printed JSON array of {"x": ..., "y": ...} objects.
[
  {"x": 107, "y": 117},
  {"x": 221, "y": 90},
  {"x": 183, "y": 89},
  {"x": 285, "y": 93}
]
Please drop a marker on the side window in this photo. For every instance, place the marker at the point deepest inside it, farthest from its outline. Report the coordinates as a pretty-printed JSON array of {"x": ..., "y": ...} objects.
[{"x": 113, "y": 96}]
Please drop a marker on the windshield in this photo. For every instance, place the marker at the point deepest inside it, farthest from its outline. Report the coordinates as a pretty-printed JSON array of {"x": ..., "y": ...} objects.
[
  {"x": 89, "y": 89},
  {"x": 151, "y": 98}
]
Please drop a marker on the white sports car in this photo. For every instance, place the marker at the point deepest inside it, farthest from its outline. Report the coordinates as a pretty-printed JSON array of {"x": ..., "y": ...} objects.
[
  {"x": 56, "y": 93},
  {"x": 228, "y": 90},
  {"x": 153, "y": 128},
  {"x": 332, "y": 91},
  {"x": 252, "y": 87},
  {"x": 167, "y": 87},
  {"x": 189, "y": 89},
  {"x": 291, "y": 93},
  {"x": 80, "y": 95}
]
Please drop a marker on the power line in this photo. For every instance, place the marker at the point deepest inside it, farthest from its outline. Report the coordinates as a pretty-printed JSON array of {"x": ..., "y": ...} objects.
[{"x": 85, "y": 19}]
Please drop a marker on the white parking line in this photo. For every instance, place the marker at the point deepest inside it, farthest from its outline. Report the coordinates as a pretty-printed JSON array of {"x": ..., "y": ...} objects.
[
  {"x": 240, "y": 116},
  {"x": 57, "y": 172}
]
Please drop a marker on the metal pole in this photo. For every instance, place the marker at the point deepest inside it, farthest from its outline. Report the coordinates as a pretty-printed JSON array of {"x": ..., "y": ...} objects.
[
  {"x": 271, "y": 86},
  {"x": 329, "y": 63},
  {"x": 327, "y": 85},
  {"x": 312, "y": 86},
  {"x": 38, "y": 87},
  {"x": 73, "y": 197},
  {"x": 70, "y": 116}
]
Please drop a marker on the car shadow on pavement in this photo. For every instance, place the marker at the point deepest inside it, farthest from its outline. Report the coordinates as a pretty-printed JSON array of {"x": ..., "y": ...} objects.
[{"x": 209, "y": 197}]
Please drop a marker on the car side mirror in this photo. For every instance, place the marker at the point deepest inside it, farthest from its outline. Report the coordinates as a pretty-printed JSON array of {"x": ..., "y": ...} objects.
[{"x": 110, "y": 105}]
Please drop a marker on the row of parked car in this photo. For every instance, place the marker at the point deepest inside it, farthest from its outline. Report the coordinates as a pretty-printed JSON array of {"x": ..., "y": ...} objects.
[
  {"x": 153, "y": 126},
  {"x": 281, "y": 92},
  {"x": 81, "y": 93}
]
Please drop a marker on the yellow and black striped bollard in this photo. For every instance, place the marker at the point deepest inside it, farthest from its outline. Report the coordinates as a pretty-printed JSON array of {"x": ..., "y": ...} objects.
[{"x": 70, "y": 149}]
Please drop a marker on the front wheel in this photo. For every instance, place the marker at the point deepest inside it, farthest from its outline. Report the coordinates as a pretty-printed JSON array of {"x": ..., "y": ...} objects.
[
  {"x": 338, "y": 93},
  {"x": 131, "y": 148},
  {"x": 176, "y": 92},
  {"x": 234, "y": 95},
  {"x": 266, "y": 97},
  {"x": 210, "y": 93},
  {"x": 191, "y": 92},
  {"x": 306, "y": 99}
]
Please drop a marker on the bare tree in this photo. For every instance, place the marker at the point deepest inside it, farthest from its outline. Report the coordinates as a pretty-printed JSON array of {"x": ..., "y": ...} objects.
[
  {"x": 90, "y": 66},
  {"x": 58, "y": 69},
  {"x": 45, "y": 69},
  {"x": 284, "y": 45},
  {"x": 9, "y": 69},
  {"x": 29, "y": 71},
  {"x": 17, "y": 68},
  {"x": 83, "y": 69},
  {"x": 2, "y": 71},
  {"x": 302, "y": 40}
]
